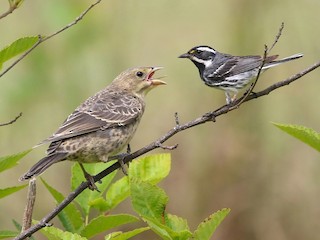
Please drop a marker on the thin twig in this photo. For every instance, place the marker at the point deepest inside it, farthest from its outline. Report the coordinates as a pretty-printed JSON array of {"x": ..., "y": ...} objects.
[
  {"x": 265, "y": 54},
  {"x": 176, "y": 118},
  {"x": 45, "y": 38},
  {"x": 249, "y": 91},
  {"x": 79, "y": 18},
  {"x": 12, "y": 121},
  {"x": 207, "y": 117},
  {"x": 45, "y": 221},
  {"x": 277, "y": 37},
  {"x": 40, "y": 40},
  {"x": 277, "y": 85}
]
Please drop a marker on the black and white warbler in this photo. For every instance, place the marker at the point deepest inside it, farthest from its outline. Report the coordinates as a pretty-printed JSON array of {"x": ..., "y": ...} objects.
[{"x": 227, "y": 72}]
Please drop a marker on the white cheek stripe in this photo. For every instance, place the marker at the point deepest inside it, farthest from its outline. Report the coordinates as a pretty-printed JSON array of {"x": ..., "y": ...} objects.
[{"x": 207, "y": 63}]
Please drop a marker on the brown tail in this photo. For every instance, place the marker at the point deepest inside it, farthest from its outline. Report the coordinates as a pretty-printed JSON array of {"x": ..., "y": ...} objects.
[{"x": 42, "y": 165}]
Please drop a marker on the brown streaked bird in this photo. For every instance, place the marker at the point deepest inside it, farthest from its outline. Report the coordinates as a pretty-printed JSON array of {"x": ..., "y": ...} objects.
[{"x": 101, "y": 126}]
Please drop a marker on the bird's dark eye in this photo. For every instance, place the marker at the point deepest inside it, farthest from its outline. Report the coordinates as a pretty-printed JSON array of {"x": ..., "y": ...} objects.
[
  {"x": 195, "y": 51},
  {"x": 139, "y": 74}
]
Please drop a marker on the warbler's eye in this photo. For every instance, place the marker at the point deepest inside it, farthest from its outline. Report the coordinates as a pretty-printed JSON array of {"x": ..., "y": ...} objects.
[{"x": 139, "y": 74}]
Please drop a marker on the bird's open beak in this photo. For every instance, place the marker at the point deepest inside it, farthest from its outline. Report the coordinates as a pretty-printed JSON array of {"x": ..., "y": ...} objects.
[
  {"x": 185, "y": 55},
  {"x": 155, "y": 82}
]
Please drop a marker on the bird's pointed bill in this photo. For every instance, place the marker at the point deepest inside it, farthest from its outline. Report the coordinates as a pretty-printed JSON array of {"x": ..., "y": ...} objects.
[
  {"x": 157, "y": 81},
  {"x": 185, "y": 55}
]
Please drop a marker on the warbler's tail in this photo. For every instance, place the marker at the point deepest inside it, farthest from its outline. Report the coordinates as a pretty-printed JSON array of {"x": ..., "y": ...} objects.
[
  {"x": 42, "y": 165},
  {"x": 283, "y": 60}
]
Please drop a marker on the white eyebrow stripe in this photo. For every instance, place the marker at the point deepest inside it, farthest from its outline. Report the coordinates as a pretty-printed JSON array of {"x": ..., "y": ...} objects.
[{"x": 206, "y": 49}]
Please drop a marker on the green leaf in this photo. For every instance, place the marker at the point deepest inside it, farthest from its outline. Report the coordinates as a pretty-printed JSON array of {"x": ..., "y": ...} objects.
[
  {"x": 159, "y": 228},
  {"x": 11, "y": 161},
  {"x": 117, "y": 193},
  {"x": 304, "y": 134},
  {"x": 53, "y": 233},
  {"x": 172, "y": 227},
  {"x": 17, "y": 47},
  {"x": 125, "y": 235},
  {"x": 177, "y": 224},
  {"x": 88, "y": 196},
  {"x": 148, "y": 200},
  {"x": 7, "y": 191},
  {"x": 7, "y": 234},
  {"x": 70, "y": 217},
  {"x": 99, "y": 204},
  {"x": 17, "y": 225},
  {"x": 151, "y": 168},
  {"x": 104, "y": 223},
  {"x": 206, "y": 229}
]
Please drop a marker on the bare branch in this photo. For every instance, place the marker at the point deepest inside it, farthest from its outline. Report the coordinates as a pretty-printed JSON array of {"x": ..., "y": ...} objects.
[
  {"x": 176, "y": 118},
  {"x": 207, "y": 117},
  {"x": 12, "y": 121},
  {"x": 265, "y": 54},
  {"x": 40, "y": 40},
  {"x": 45, "y": 38},
  {"x": 277, "y": 37},
  {"x": 79, "y": 18},
  {"x": 10, "y": 10},
  {"x": 249, "y": 91},
  {"x": 45, "y": 221},
  {"x": 284, "y": 82}
]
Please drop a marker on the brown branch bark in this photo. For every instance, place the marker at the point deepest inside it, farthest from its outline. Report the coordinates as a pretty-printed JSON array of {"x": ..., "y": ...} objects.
[
  {"x": 31, "y": 198},
  {"x": 207, "y": 117}
]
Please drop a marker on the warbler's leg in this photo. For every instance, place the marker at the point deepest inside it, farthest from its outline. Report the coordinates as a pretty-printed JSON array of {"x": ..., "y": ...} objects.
[
  {"x": 92, "y": 185},
  {"x": 228, "y": 97},
  {"x": 234, "y": 97}
]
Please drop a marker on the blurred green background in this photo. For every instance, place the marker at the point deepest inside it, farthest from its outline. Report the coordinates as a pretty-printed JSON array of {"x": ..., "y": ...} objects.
[{"x": 269, "y": 180}]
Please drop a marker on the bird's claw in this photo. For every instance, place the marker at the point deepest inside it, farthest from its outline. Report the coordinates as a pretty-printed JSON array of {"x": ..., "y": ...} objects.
[
  {"x": 123, "y": 167},
  {"x": 120, "y": 158},
  {"x": 92, "y": 186}
]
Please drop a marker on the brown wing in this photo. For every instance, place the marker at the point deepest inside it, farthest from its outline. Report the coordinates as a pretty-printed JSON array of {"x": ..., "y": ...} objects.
[{"x": 101, "y": 111}]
